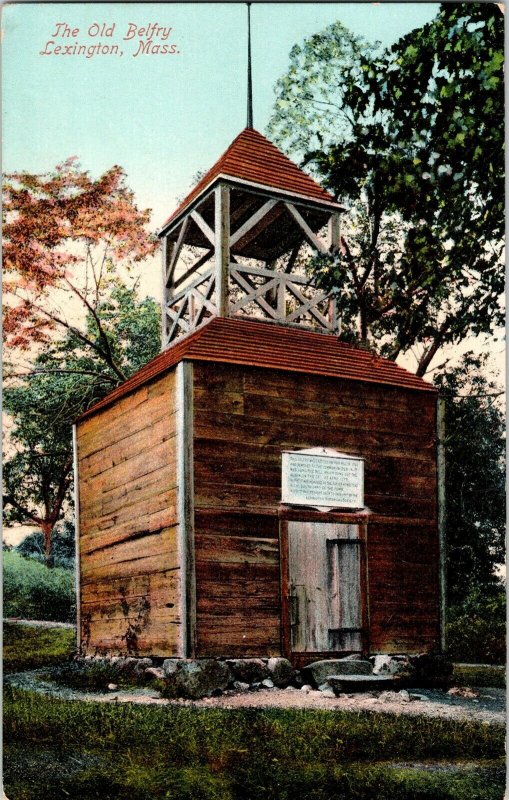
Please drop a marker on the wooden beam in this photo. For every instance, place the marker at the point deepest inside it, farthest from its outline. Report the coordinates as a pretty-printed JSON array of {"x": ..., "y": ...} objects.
[
  {"x": 308, "y": 306},
  {"x": 77, "y": 537},
  {"x": 165, "y": 293},
  {"x": 196, "y": 266},
  {"x": 264, "y": 223},
  {"x": 252, "y": 221},
  {"x": 310, "y": 236},
  {"x": 442, "y": 546},
  {"x": 205, "y": 229},
  {"x": 176, "y": 317},
  {"x": 293, "y": 257},
  {"x": 222, "y": 247},
  {"x": 197, "y": 281},
  {"x": 239, "y": 209},
  {"x": 254, "y": 294},
  {"x": 332, "y": 314},
  {"x": 177, "y": 247},
  {"x": 185, "y": 507},
  {"x": 204, "y": 300}
]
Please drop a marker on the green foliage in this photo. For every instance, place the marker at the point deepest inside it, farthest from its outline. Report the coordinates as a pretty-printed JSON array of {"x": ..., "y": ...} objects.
[
  {"x": 65, "y": 379},
  {"x": 476, "y": 629},
  {"x": 128, "y": 751},
  {"x": 118, "y": 338},
  {"x": 63, "y": 546},
  {"x": 312, "y": 107},
  {"x": 475, "y": 485},
  {"x": 26, "y": 647},
  {"x": 38, "y": 475},
  {"x": 33, "y": 591},
  {"x": 412, "y": 139},
  {"x": 66, "y": 237}
]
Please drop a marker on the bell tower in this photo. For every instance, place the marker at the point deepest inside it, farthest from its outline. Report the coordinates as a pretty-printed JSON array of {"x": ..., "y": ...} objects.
[{"x": 234, "y": 246}]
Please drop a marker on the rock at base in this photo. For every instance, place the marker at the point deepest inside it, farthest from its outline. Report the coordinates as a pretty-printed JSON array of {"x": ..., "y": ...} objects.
[
  {"x": 281, "y": 671},
  {"x": 391, "y": 665},
  {"x": 240, "y": 686},
  {"x": 195, "y": 679},
  {"x": 318, "y": 672},
  {"x": 154, "y": 674},
  {"x": 248, "y": 670},
  {"x": 360, "y": 683},
  {"x": 430, "y": 669}
]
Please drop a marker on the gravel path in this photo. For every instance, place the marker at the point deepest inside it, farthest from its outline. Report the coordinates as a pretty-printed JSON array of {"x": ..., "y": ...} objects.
[
  {"x": 487, "y": 705},
  {"x": 38, "y": 623}
]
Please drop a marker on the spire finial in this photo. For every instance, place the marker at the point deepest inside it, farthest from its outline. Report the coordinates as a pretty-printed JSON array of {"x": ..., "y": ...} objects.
[{"x": 249, "y": 77}]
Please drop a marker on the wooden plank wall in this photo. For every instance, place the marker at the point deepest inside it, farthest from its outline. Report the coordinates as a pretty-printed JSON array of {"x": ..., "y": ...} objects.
[
  {"x": 244, "y": 418},
  {"x": 129, "y": 569}
]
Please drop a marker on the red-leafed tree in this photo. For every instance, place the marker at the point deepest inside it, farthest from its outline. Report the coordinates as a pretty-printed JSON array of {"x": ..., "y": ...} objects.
[
  {"x": 64, "y": 232},
  {"x": 74, "y": 325}
]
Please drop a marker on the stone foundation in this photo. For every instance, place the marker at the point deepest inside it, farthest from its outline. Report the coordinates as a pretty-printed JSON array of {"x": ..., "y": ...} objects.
[{"x": 206, "y": 677}]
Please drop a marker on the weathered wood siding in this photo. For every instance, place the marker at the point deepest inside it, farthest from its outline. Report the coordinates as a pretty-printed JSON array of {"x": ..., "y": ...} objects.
[
  {"x": 129, "y": 565},
  {"x": 244, "y": 418}
]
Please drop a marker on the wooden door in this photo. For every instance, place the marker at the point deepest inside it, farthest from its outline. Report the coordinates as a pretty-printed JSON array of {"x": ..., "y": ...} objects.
[{"x": 324, "y": 587}]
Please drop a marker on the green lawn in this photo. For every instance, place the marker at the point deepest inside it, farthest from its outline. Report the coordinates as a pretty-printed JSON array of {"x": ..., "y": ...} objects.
[
  {"x": 25, "y": 647},
  {"x": 56, "y": 748},
  {"x": 478, "y": 675}
]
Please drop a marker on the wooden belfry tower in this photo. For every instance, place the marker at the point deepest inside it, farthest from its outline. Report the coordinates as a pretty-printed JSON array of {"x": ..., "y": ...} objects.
[
  {"x": 259, "y": 488},
  {"x": 231, "y": 247}
]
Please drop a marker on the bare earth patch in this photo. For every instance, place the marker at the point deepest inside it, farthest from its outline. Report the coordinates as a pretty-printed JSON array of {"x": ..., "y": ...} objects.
[{"x": 486, "y": 705}]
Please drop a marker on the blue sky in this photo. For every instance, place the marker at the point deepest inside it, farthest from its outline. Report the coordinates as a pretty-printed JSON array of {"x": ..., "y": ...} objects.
[{"x": 162, "y": 117}]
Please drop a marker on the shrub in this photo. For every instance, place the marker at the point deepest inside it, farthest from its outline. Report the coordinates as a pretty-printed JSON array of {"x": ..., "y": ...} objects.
[
  {"x": 32, "y": 591},
  {"x": 476, "y": 629},
  {"x": 63, "y": 546}
]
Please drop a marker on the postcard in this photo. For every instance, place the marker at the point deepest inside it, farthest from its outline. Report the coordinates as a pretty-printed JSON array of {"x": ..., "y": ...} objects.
[{"x": 254, "y": 450}]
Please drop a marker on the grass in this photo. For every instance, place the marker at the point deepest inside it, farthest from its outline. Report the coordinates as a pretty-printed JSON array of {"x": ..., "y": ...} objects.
[
  {"x": 25, "y": 647},
  {"x": 56, "y": 748},
  {"x": 184, "y": 752},
  {"x": 478, "y": 675}
]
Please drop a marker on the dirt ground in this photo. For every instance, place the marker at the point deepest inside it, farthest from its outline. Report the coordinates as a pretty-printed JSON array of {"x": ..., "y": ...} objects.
[{"x": 486, "y": 705}]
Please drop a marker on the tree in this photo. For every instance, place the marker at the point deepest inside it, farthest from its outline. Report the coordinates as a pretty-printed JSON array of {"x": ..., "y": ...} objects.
[
  {"x": 412, "y": 139},
  {"x": 68, "y": 238},
  {"x": 64, "y": 233},
  {"x": 64, "y": 380},
  {"x": 475, "y": 480},
  {"x": 63, "y": 549}
]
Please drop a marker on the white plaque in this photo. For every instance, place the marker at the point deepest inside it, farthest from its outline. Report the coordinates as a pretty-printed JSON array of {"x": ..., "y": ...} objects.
[{"x": 322, "y": 477}]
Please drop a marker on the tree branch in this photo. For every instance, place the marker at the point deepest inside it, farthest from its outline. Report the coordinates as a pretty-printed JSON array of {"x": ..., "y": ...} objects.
[
  {"x": 89, "y": 342},
  {"x": 351, "y": 263},
  {"x": 62, "y": 487},
  {"x": 102, "y": 334},
  {"x": 9, "y": 499},
  {"x": 103, "y": 376},
  {"x": 438, "y": 340}
]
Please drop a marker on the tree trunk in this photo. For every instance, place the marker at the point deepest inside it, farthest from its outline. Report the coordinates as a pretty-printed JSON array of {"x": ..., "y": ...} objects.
[
  {"x": 47, "y": 529},
  {"x": 363, "y": 326}
]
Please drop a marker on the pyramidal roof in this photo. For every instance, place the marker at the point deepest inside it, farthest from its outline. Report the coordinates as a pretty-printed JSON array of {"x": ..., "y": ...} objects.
[{"x": 253, "y": 159}]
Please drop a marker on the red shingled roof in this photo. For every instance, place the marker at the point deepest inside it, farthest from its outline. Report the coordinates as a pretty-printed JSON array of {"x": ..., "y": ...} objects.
[
  {"x": 262, "y": 344},
  {"x": 251, "y": 157}
]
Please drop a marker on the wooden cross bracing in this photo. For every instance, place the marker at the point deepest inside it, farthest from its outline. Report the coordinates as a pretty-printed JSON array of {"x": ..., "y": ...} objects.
[{"x": 228, "y": 233}]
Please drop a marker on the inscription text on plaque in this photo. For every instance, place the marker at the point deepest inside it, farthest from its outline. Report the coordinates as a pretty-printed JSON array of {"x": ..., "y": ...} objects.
[{"x": 322, "y": 477}]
